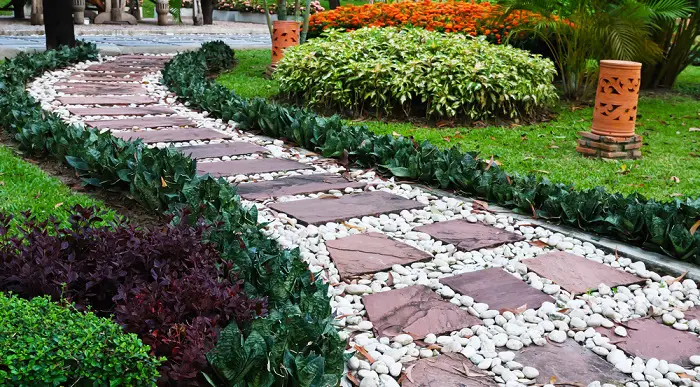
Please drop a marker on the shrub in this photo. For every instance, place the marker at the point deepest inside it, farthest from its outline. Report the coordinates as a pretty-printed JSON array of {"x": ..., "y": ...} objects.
[
  {"x": 452, "y": 16},
  {"x": 218, "y": 56},
  {"x": 166, "y": 286},
  {"x": 45, "y": 344},
  {"x": 447, "y": 75}
]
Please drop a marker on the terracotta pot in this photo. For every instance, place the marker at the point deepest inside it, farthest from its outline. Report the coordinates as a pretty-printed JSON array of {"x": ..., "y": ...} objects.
[
  {"x": 615, "y": 112},
  {"x": 285, "y": 34}
]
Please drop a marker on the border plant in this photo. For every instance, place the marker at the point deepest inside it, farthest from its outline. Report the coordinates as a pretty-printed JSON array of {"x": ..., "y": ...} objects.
[
  {"x": 655, "y": 225},
  {"x": 296, "y": 343}
]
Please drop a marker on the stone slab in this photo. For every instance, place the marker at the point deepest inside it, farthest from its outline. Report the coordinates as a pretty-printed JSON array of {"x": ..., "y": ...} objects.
[
  {"x": 108, "y": 75},
  {"x": 104, "y": 80},
  {"x": 570, "y": 364},
  {"x": 108, "y": 100},
  {"x": 121, "y": 111},
  {"x": 649, "y": 338},
  {"x": 170, "y": 135},
  {"x": 116, "y": 68},
  {"x": 320, "y": 211},
  {"x": 222, "y": 149},
  {"x": 497, "y": 288},
  {"x": 250, "y": 167},
  {"x": 371, "y": 252},
  {"x": 142, "y": 122},
  {"x": 295, "y": 185},
  {"x": 416, "y": 310},
  {"x": 448, "y": 370},
  {"x": 93, "y": 89},
  {"x": 577, "y": 274},
  {"x": 469, "y": 236}
]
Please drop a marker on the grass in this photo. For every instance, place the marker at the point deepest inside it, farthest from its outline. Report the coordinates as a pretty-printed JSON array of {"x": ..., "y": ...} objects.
[
  {"x": 688, "y": 81},
  {"x": 24, "y": 186},
  {"x": 669, "y": 168}
]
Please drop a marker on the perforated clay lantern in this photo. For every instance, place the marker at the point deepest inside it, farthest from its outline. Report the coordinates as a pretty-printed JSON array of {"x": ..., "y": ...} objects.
[
  {"x": 285, "y": 34},
  {"x": 615, "y": 113}
]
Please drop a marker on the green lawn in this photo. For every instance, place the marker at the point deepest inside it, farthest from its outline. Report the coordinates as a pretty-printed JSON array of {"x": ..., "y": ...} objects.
[
  {"x": 24, "y": 186},
  {"x": 671, "y": 150}
]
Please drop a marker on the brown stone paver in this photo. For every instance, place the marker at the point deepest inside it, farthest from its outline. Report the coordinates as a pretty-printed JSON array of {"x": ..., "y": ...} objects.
[
  {"x": 121, "y": 69},
  {"x": 497, "y": 288},
  {"x": 415, "y": 310},
  {"x": 121, "y": 111},
  {"x": 469, "y": 236},
  {"x": 448, "y": 370},
  {"x": 94, "y": 89},
  {"x": 250, "y": 167},
  {"x": 320, "y": 211},
  {"x": 222, "y": 149},
  {"x": 109, "y": 75},
  {"x": 577, "y": 274},
  {"x": 295, "y": 185},
  {"x": 108, "y": 100},
  {"x": 172, "y": 135},
  {"x": 569, "y": 364},
  {"x": 103, "y": 80},
  {"x": 692, "y": 313},
  {"x": 142, "y": 122},
  {"x": 649, "y": 338},
  {"x": 371, "y": 252}
]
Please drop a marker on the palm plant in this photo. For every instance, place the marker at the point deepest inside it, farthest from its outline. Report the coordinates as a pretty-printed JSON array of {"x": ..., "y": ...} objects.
[{"x": 579, "y": 33}]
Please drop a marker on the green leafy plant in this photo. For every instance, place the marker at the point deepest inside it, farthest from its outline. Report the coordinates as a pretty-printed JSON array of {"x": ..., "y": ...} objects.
[
  {"x": 47, "y": 344},
  {"x": 389, "y": 70}
]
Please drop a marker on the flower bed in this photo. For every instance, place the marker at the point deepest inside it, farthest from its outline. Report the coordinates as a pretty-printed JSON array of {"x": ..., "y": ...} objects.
[
  {"x": 256, "y": 6},
  {"x": 397, "y": 71},
  {"x": 452, "y": 16}
]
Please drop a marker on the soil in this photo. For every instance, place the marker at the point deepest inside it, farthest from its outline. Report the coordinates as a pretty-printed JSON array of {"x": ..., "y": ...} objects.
[{"x": 116, "y": 200}]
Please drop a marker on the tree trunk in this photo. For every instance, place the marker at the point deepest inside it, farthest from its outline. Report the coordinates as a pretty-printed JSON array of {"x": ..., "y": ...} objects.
[
  {"x": 333, "y": 4},
  {"x": 281, "y": 9},
  {"x": 58, "y": 22},
  {"x": 18, "y": 7},
  {"x": 208, "y": 11}
]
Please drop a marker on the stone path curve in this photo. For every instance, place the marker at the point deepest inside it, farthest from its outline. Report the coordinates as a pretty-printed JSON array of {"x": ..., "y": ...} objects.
[{"x": 429, "y": 291}]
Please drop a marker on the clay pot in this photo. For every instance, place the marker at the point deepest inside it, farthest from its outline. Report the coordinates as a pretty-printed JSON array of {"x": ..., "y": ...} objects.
[
  {"x": 285, "y": 34},
  {"x": 615, "y": 112}
]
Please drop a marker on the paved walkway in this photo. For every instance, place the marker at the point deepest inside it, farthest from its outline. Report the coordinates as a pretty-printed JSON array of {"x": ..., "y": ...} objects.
[{"x": 428, "y": 291}]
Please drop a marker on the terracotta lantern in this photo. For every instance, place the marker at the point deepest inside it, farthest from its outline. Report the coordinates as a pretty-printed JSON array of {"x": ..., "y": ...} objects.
[
  {"x": 615, "y": 113},
  {"x": 285, "y": 34}
]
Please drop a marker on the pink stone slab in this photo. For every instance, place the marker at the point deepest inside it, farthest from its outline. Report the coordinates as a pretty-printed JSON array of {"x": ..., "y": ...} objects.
[
  {"x": 121, "y": 111},
  {"x": 371, "y": 252},
  {"x": 577, "y": 274},
  {"x": 295, "y": 185},
  {"x": 320, "y": 211},
  {"x": 172, "y": 135},
  {"x": 104, "y": 80},
  {"x": 96, "y": 89},
  {"x": 249, "y": 167},
  {"x": 649, "y": 338},
  {"x": 469, "y": 236},
  {"x": 497, "y": 288},
  {"x": 109, "y": 75},
  {"x": 222, "y": 149},
  {"x": 448, "y": 370},
  {"x": 415, "y": 310},
  {"x": 108, "y": 100},
  {"x": 141, "y": 123},
  {"x": 570, "y": 364}
]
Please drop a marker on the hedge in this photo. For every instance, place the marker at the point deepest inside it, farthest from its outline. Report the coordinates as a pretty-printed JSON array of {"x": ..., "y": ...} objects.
[
  {"x": 664, "y": 227},
  {"x": 296, "y": 342},
  {"x": 46, "y": 344}
]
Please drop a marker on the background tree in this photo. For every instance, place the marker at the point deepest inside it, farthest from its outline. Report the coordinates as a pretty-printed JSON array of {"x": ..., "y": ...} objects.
[
  {"x": 58, "y": 23},
  {"x": 18, "y": 8}
]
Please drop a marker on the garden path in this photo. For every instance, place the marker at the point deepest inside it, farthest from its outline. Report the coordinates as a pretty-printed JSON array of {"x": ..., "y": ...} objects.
[{"x": 429, "y": 291}]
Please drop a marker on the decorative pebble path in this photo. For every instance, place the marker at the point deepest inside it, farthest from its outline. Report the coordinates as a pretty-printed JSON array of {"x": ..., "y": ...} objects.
[{"x": 428, "y": 291}]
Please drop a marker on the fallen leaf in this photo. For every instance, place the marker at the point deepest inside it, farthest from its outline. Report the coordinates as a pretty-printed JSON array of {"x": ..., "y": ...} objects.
[
  {"x": 58, "y": 205},
  {"x": 395, "y": 134},
  {"x": 353, "y": 379},
  {"x": 162, "y": 182},
  {"x": 480, "y": 205},
  {"x": 489, "y": 164},
  {"x": 552, "y": 379},
  {"x": 508, "y": 180},
  {"x": 676, "y": 179},
  {"x": 541, "y": 171},
  {"x": 408, "y": 373},
  {"x": 563, "y": 311},
  {"x": 493, "y": 138},
  {"x": 433, "y": 346},
  {"x": 694, "y": 130},
  {"x": 695, "y": 228},
  {"x": 364, "y": 353},
  {"x": 538, "y": 243},
  {"x": 38, "y": 195},
  {"x": 359, "y": 228},
  {"x": 2, "y": 182},
  {"x": 534, "y": 211},
  {"x": 327, "y": 196},
  {"x": 390, "y": 280},
  {"x": 683, "y": 375},
  {"x": 677, "y": 279},
  {"x": 345, "y": 159},
  {"x": 446, "y": 139},
  {"x": 517, "y": 310}
]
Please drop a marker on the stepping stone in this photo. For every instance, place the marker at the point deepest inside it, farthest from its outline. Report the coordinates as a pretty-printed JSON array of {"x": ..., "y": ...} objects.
[
  {"x": 172, "y": 135},
  {"x": 143, "y": 122},
  {"x": 121, "y": 111},
  {"x": 570, "y": 364},
  {"x": 448, "y": 370},
  {"x": 108, "y": 75},
  {"x": 320, "y": 211},
  {"x": 371, "y": 252},
  {"x": 415, "y": 310},
  {"x": 250, "y": 167},
  {"x": 108, "y": 100},
  {"x": 126, "y": 69},
  {"x": 295, "y": 185},
  {"x": 149, "y": 57},
  {"x": 104, "y": 79},
  {"x": 469, "y": 236},
  {"x": 92, "y": 89},
  {"x": 222, "y": 149},
  {"x": 577, "y": 274},
  {"x": 497, "y": 288},
  {"x": 649, "y": 338}
]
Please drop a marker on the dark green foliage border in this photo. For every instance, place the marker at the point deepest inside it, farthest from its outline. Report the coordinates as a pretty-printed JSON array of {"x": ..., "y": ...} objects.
[
  {"x": 634, "y": 219},
  {"x": 296, "y": 343}
]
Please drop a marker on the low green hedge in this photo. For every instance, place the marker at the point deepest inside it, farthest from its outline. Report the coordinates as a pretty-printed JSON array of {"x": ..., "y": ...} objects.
[
  {"x": 298, "y": 329},
  {"x": 413, "y": 71},
  {"x": 46, "y": 344},
  {"x": 634, "y": 219}
]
